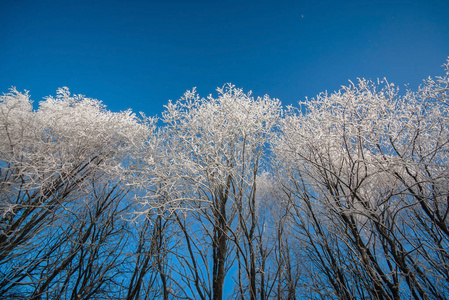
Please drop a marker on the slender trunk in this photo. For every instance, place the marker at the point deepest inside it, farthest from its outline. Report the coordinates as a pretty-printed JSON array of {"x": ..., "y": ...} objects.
[
  {"x": 219, "y": 250},
  {"x": 219, "y": 247},
  {"x": 252, "y": 254}
]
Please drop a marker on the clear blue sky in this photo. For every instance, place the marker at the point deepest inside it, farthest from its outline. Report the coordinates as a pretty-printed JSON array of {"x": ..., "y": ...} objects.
[{"x": 140, "y": 54}]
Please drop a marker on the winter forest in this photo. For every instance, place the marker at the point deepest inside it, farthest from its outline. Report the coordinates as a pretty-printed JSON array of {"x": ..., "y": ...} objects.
[{"x": 344, "y": 196}]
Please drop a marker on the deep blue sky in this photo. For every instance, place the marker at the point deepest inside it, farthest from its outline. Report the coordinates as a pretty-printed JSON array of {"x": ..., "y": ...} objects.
[{"x": 140, "y": 54}]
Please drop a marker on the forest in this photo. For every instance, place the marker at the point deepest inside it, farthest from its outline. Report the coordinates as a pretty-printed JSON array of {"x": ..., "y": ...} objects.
[{"x": 343, "y": 196}]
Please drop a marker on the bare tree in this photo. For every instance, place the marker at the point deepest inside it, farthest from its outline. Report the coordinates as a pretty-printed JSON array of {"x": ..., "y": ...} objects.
[
  {"x": 213, "y": 151},
  {"x": 368, "y": 170},
  {"x": 344, "y": 197},
  {"x": 61, "y": 198}
]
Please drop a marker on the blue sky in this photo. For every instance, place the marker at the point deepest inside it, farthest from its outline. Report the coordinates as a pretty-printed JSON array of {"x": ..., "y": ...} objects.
[{"x": 140, "y": 54}]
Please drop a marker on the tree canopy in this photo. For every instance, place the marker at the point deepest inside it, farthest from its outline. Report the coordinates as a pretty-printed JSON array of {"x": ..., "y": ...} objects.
[{"x": 345, "y": 196}]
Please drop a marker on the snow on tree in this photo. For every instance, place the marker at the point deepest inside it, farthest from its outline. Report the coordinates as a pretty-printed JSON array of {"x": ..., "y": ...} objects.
[
  {"x": 343, "y": 197},
  {"x": 207, "y": 167},
  {"x": 369, "y": 168},
  {"x": 58, "y": 182}
]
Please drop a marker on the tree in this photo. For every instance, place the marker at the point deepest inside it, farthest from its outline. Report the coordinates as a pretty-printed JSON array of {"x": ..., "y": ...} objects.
[
  {"x": 61, "y": 197},
  {"x": 368, "y": 171},
  {"x": 213, "y": 149},
  {"x": 344, "y": 197}
]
